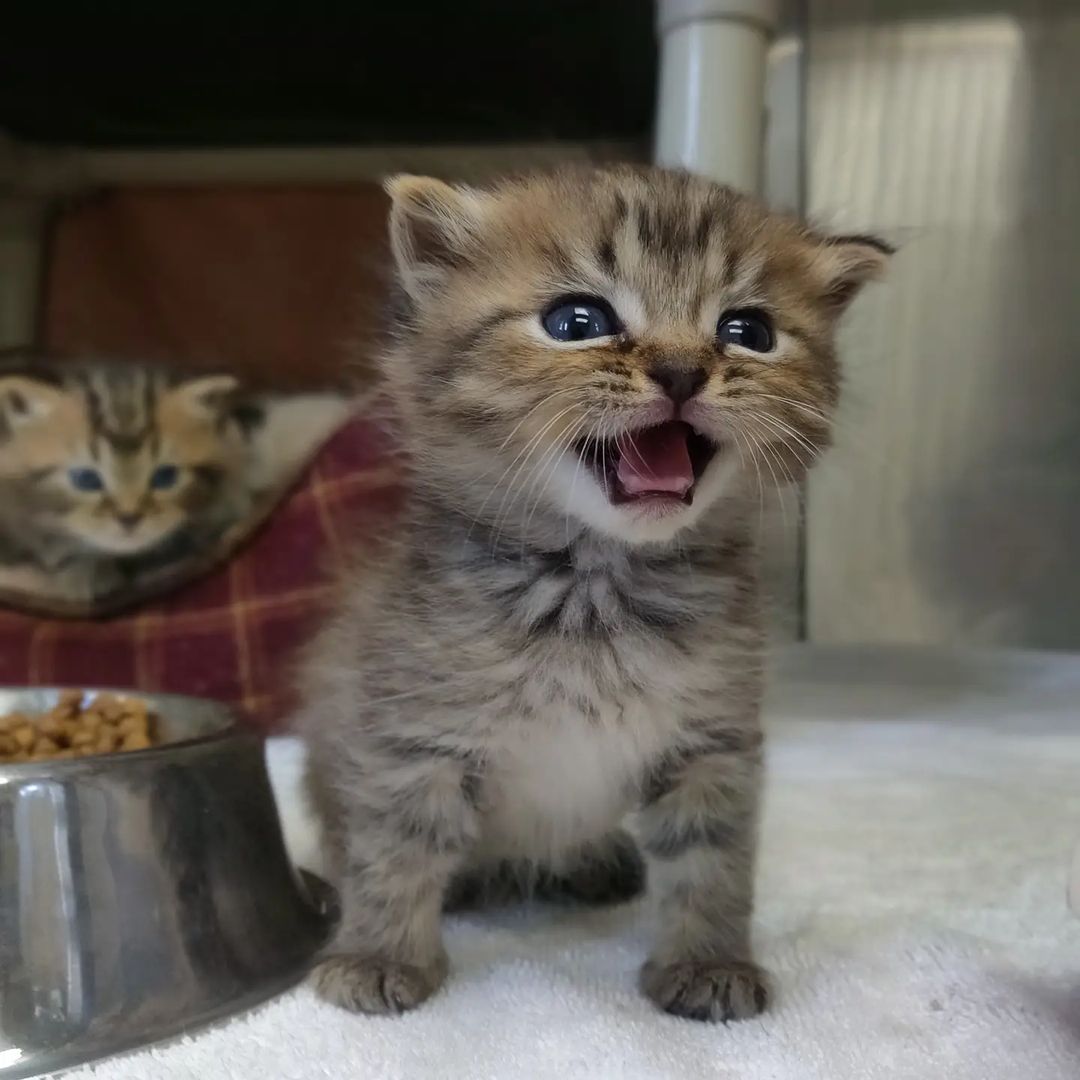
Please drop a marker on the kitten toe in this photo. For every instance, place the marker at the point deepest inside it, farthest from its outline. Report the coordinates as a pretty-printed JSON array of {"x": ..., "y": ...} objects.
[
  {"x": 375, "y": 986},
  {"x": 720, "y": 990}
]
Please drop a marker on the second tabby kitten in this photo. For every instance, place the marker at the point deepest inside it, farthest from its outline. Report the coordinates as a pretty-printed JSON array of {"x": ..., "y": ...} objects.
[
  {"x": 596, "y": 371},
  {"x": 115, "y": 476}
]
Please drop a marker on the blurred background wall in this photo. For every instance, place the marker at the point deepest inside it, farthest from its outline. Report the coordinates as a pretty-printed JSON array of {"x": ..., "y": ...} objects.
[{"x": 950, "y": 510}]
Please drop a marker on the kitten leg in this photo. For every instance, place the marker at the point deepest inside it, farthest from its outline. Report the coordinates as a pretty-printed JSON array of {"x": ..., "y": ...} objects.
[
  {"x": 698, "y": 828},
  {"x": 609, "y": 870},
  {"x": 410, "y": 829}
]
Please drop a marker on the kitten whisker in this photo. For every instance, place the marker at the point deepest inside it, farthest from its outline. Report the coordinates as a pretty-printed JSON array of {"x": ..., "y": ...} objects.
[
  {"x": 525, "y": 448},
  {"x": 757, "y": 471},
  {"x": 523, "y": 456},
  {"x": 772, "y": 439},
  {"x": 573, "y": 483},
  {"x": 809, "y": 410},
  {"x": 768, "y": 458},
  {"x": 517, "y": 488},
  {"x": 775, "y": 438},
  {"x": 777, "y": 423},
  {"x": 569, "y": 440},
  {"x": 792, "y": 483},
  {"x": 552, "y": 454},
  {"x": 579, "y": 390}
]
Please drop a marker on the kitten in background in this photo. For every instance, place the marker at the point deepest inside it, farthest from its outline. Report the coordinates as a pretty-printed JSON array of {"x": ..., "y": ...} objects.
[
  {"x": 597, "y": 372},
  {"x": 113, "y": 475}
]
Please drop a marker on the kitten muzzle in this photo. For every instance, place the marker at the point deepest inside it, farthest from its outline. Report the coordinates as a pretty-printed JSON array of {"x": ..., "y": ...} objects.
[{"x": 664, "y": 461}]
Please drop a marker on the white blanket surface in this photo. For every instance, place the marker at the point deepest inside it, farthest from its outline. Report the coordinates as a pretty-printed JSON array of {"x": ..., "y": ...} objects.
[{"x": 921, "y": 813}]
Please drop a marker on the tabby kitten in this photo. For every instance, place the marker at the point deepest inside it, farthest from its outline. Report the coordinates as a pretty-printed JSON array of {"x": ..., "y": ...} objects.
[
  {"x": 109, "y": 471},
  {"x": 596, "y": 371}
]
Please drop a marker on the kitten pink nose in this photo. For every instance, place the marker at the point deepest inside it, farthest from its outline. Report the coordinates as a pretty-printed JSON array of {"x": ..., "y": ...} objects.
[
  {"x": 679, "y": 383},
  {"x": 129, "y": 521}
]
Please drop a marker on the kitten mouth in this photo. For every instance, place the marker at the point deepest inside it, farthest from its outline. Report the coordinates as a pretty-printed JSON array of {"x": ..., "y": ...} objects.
[{"x": 661, "y": 462}]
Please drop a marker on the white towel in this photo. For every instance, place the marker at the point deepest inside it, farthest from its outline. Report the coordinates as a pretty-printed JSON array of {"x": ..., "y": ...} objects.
[{"x": 921, "y": 814}]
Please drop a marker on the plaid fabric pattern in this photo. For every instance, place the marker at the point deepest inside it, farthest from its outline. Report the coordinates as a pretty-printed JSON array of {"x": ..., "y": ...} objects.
[{"x": 232, "y": 635}]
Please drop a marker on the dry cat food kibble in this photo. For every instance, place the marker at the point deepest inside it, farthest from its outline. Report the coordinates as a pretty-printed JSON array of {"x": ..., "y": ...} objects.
[{"x": 77, "y": 728}]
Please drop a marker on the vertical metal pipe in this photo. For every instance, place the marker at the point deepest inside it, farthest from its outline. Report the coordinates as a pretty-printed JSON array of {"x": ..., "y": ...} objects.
[{"x": 711, "y": 107}]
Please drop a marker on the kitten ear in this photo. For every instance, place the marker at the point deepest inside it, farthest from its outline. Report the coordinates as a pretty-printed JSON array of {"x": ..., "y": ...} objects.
[
  {"x": 849, "y": 262},
  {"x": 433, "y": 228},
  {"x": 25, "y": 400},
  {"x": 207, "y": 395}
]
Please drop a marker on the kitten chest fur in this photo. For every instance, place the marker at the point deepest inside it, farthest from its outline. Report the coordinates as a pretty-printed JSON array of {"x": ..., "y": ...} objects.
[
  {"x": 594, "y": 662},
  {"x": 568, "y": 775}
]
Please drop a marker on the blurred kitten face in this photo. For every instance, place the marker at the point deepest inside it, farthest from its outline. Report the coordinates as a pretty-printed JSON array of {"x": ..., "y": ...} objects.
[
  {"x": 620, "y": 349},
  {"x": 118, "y": 460}
]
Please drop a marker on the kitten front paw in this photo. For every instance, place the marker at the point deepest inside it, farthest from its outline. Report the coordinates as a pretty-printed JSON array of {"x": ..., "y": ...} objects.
[
  {"x": 720, "y": 990},
  {"x": 376, "y": 986}
]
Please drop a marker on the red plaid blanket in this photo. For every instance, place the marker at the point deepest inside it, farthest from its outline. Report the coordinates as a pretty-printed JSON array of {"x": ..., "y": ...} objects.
[{"x": 233, "y": 634}]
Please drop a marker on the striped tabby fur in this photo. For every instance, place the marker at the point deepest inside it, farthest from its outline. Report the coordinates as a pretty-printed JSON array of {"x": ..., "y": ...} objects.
[
  {"x": 113, "y": 474},
  {"x": 530, "y": 662}
]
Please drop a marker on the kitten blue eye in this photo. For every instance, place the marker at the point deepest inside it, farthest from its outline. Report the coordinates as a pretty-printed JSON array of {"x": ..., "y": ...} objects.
[
  {"x": 164, "y": 477},
  {"x": 86, "y": 479},
  {"x": 580, "y": 318},
  {"x": 749, "y": 329}
]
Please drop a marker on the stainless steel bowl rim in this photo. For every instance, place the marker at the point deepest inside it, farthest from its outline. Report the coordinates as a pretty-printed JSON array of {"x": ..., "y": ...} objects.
[{"x": 20, "y": 770}]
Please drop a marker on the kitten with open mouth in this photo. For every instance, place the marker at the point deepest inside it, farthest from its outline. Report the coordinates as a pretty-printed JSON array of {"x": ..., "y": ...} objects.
[{"x": 549, "y": 684}]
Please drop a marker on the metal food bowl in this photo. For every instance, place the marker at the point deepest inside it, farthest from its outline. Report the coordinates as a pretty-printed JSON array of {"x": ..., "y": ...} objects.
[{"x": 142, "y": 893}]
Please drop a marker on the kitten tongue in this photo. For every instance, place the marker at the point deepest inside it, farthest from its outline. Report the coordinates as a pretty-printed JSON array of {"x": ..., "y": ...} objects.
[{"x": 656, "y": 460}]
